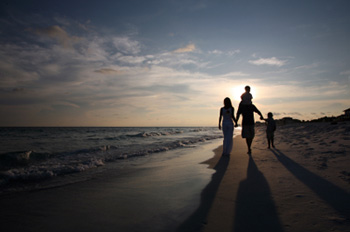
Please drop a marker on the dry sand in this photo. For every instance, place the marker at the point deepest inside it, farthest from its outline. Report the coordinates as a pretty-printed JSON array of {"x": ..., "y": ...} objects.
[{"x": 301, "y": 185}]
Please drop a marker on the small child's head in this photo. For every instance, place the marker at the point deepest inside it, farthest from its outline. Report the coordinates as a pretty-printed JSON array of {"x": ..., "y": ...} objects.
[
  {"x": 246, "y": 97},
  {"x": 269, "y": 115}
]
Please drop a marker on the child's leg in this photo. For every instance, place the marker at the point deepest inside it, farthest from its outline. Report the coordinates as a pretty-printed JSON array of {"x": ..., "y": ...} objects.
[{"x": 268, "y": 139}]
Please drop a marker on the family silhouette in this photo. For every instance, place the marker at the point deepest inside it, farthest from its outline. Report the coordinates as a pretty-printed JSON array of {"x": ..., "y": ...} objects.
[{"x": 247, "y": 109}]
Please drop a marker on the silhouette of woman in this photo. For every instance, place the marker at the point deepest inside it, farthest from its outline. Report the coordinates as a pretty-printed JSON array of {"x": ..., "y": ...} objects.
[{"x": 227, "y": 115}]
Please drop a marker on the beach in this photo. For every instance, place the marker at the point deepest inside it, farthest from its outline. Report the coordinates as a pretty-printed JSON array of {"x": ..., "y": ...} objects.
[{"x": 301, "y": 185}]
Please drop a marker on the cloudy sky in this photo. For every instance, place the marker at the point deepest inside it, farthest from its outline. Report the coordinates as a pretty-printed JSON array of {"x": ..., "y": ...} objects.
[{"x": 170, "y": 62}]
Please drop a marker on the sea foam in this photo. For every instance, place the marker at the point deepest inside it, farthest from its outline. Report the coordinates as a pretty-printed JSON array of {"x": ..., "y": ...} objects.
[{"x": 49, "y": 152}]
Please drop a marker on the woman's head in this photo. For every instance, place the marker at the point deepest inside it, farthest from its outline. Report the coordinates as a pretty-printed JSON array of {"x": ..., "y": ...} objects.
[{"x": 227, "y": 102}]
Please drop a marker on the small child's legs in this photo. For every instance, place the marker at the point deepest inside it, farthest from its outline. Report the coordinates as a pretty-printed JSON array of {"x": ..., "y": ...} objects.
[{"x": 270, "y": 140}]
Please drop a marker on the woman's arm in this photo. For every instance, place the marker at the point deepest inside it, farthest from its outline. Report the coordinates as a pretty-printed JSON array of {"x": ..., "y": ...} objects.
[
  {"x": 220, "y": 119},
  {"x": 233, "y": 116}
]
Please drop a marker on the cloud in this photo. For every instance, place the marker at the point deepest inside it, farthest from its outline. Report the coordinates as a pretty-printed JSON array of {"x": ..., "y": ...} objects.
[
  {"x": 216, "y": 52},
  {"x": 175, "y": 60},
  {"x": 347, "y": 72},
  {"x": 273, "y": 61},
  {"x": 15, "y": 73},
  {"x": 168, "y": 89},
  {"x": 189, "y": 48},
  {"x": 231, "y": 53},
  {"x": 294, "y": 113},
  {"x": 126, "y": 45},
  {"x": 132, "y": 59},
  {"x": 235, "y": 74},
  {"x": 108, "y": 71},
  {"x": 63, "y": 103},
  {"x": 310, "y": 66},
  {"x": 287, "y": 114},
  {"x": 228, "y": 53},
  {"x": 57, "y": 33}
]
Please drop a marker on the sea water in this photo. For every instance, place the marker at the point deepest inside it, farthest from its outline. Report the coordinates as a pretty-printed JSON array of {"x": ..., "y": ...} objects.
[{"x": 39, "y": 153}]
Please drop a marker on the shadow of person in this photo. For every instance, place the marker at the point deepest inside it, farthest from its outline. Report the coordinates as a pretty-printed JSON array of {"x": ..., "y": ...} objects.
[
  {"x": 336, "y": 197},
  {"x": 198, "y": 219},
  {"x": 255, "y": 210}
]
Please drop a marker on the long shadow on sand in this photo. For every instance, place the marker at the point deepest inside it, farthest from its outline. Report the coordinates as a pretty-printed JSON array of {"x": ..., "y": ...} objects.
[
  {"x": 255, "y": 209},
  {"x": 198, "y": 219},
  {"x": 330, "y": 193}
]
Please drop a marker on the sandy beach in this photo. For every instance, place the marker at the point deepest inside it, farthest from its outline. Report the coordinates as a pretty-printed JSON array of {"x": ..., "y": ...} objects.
[{"x": 301, "y": 185}]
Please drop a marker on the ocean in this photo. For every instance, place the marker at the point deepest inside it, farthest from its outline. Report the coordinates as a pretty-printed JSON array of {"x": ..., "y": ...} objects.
[{"x": 32, "y": 155}]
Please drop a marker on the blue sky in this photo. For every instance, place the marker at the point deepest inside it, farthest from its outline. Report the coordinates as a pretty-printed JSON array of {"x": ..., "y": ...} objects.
[{"x": 170, "y": 63}]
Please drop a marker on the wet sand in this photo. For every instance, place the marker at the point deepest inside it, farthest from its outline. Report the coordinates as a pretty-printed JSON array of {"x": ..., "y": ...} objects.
[{"x": 156, "y": 194}]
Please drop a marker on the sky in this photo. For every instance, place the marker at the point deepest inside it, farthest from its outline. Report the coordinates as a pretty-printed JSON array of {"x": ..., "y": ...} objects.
[{"x": 170, "y": 62}]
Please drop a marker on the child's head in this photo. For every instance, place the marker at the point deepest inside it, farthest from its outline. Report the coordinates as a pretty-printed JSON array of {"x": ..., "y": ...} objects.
[
  {"x": 269, "y": 115},
  {"x": 246, "y": 97}
]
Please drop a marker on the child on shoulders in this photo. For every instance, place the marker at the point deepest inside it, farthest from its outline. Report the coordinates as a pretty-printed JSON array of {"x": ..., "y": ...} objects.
[{"x": 246, "y": 96}]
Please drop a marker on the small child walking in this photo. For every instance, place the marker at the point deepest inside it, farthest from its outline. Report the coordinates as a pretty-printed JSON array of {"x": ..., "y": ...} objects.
[{"x": 270, "y": 130}]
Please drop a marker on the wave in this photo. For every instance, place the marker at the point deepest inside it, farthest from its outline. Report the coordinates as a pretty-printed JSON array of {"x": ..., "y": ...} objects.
[
  {"x": 28, "y": 166},
  {"x": 156, "y": 133},
  {"x": 138, "y": 135}
]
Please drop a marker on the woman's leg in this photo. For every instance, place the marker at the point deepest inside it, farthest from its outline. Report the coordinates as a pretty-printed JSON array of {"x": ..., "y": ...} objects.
[{"x": 228, "y": 134}]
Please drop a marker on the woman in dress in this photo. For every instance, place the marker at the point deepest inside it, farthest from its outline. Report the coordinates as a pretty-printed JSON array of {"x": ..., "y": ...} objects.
[{"x": 227, "y": 117}]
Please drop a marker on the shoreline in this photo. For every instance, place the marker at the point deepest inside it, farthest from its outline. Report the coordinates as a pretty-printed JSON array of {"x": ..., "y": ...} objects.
[{"x": 156, "y": 195}]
